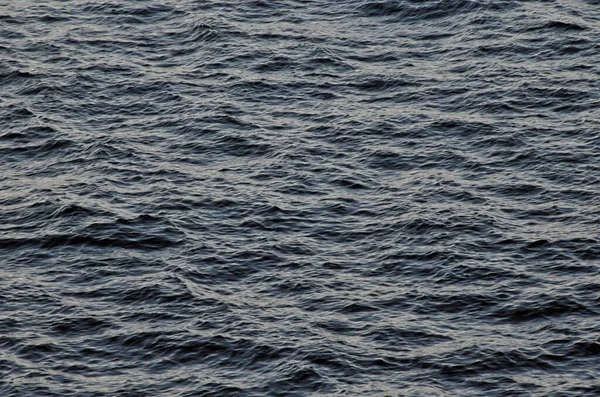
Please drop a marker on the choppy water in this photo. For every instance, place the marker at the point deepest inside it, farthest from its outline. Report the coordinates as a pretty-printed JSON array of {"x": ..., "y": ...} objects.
[{"x": 300, "y": 198}]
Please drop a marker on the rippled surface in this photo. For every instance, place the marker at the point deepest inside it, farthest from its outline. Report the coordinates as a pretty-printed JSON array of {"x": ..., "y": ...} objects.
[{"x": 300, "y": 198}]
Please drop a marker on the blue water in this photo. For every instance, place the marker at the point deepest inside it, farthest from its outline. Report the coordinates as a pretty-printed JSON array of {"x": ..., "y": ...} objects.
[{"x": 251, "y": 198}]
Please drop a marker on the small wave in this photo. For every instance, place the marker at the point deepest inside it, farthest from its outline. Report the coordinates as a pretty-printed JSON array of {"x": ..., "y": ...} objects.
[{"x": 415, "y": 10}]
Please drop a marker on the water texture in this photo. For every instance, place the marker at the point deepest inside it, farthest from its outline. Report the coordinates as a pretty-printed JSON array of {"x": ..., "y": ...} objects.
[{"x": 250, "y": 198}]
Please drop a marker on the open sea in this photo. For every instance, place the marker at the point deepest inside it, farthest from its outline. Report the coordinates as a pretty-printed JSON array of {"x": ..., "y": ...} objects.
[{"x": 300, "y": 198}]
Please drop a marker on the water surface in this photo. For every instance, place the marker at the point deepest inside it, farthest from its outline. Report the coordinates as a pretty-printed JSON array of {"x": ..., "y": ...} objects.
[{"x": 299, "y": 198}]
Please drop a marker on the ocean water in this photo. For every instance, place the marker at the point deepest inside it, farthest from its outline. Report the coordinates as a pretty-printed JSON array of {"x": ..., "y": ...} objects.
[{"x": 294, "y": 198}]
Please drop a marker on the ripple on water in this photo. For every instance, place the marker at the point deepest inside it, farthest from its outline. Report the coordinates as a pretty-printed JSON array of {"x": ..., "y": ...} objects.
[{"x": 257, "y": 198}]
